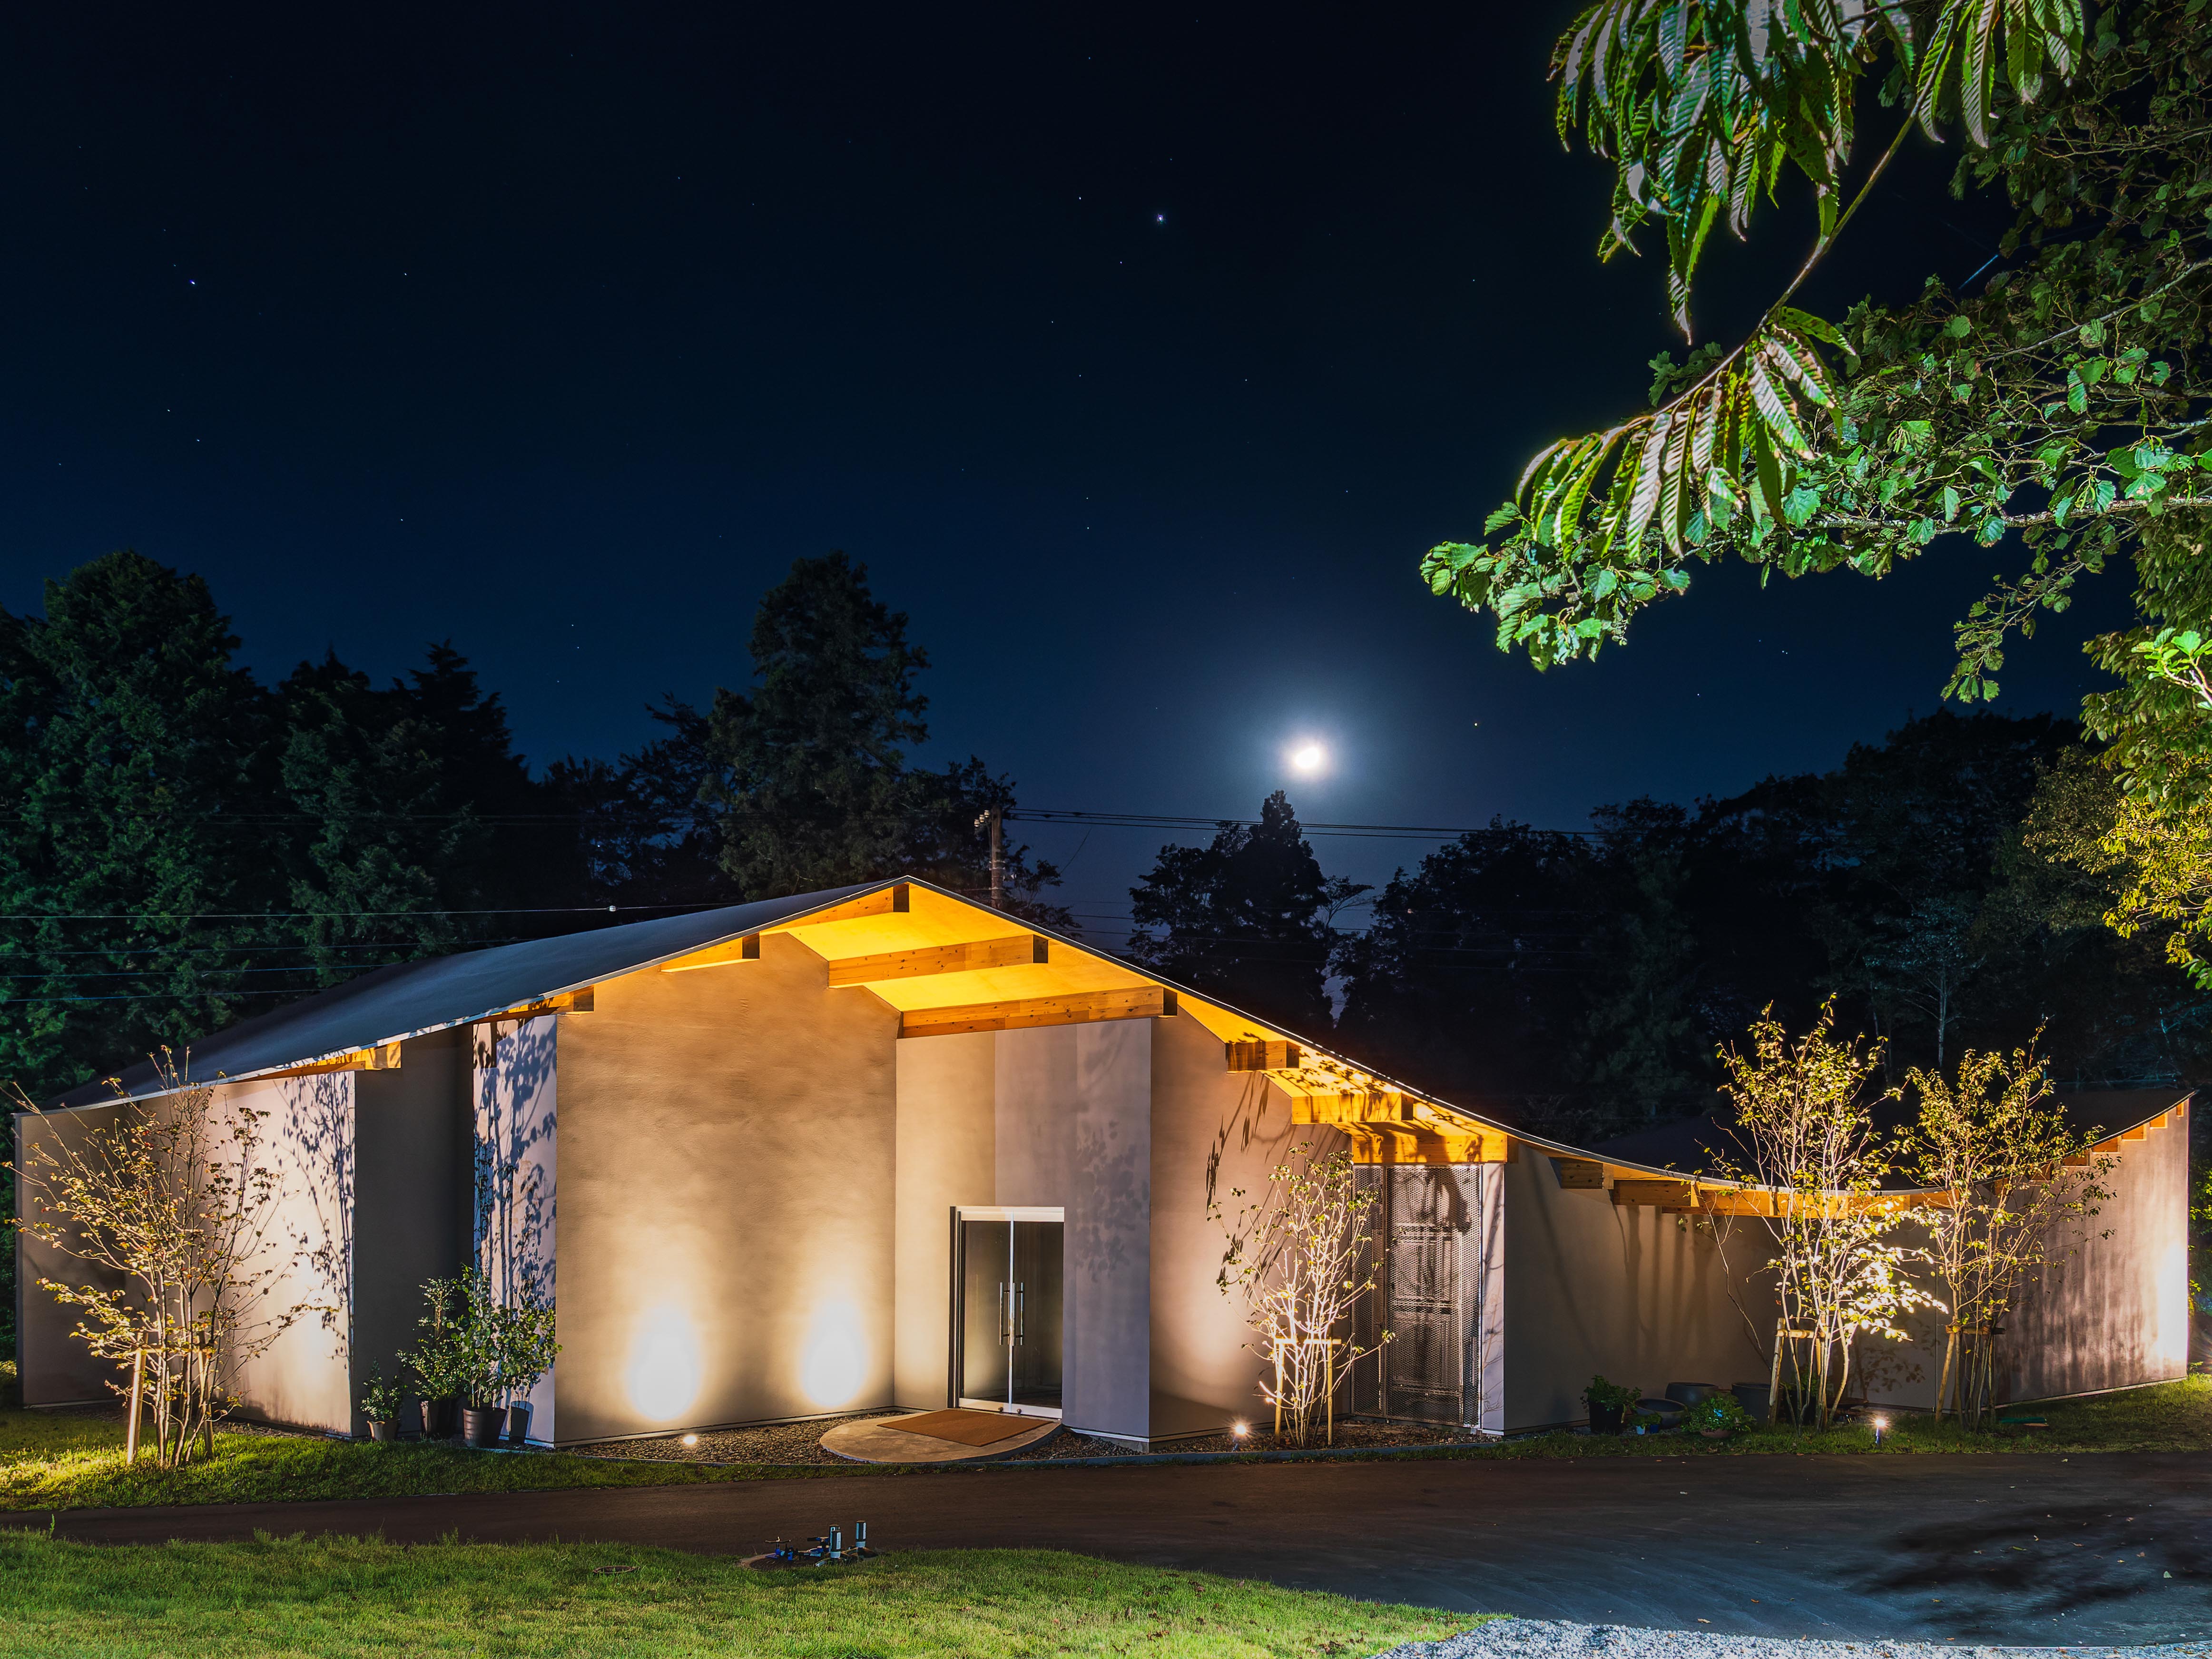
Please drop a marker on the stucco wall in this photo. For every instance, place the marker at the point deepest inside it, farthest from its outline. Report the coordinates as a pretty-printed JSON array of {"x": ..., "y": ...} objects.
[
  {"x": 55, "y": 1369},
  {"x": 1213, "y": 1130},
  {"x": 1074, "y": 1112},
  {"x": 1627, "y": 1292},
  {"x": 411, "y": 1152},
  {"x": 514, "y": 1175},
  {"x": 947, "y": 1155},
  {"x": 724, "y": 1226}
]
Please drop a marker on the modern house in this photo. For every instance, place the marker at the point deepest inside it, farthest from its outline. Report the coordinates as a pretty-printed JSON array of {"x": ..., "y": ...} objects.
[{"x": 886, "y": 1145}]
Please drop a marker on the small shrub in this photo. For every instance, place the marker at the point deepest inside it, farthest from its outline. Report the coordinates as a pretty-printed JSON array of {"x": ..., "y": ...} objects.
[
  {"x": 1612, "y": 1396},
  {"x": 1722, "y": 1413}
]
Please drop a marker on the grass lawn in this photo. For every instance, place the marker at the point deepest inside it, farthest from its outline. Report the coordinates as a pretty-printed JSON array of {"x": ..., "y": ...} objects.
[
  {"x": 50, "y": 1461},
  {"x": 345, "y": 1596}
]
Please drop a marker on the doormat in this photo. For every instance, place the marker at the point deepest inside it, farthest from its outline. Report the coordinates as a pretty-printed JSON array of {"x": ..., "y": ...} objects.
[{"x": 967, "y": 1428}]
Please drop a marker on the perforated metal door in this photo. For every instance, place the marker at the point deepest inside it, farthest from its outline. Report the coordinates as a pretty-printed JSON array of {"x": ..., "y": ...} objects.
[{"x": 1427, "y": 1221}]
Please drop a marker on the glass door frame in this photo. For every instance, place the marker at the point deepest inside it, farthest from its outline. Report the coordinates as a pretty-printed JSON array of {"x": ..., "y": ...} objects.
[{"x": 1052, "y": 1212}]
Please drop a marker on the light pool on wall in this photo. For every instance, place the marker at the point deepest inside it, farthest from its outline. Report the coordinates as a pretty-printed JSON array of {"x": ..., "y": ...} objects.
[
  {"x": 665, "y": 1368},
  {"x": 834, "y": 1365}
]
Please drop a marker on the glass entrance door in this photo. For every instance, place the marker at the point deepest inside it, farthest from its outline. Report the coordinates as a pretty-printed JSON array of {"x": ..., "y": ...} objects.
[{"x": 1009, "y": 1320}]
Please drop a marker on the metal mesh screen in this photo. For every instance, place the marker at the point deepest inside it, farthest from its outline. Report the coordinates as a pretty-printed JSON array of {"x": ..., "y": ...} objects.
[{"x": 1426, "y": 1221}]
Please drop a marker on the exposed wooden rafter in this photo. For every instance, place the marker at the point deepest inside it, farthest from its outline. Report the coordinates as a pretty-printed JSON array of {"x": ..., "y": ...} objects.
[
  {"x": 719, "y": 956},
  {"x": 1077, "y": 1008},
  {"x": 1264, "y": 1057},
  {"x": 1388, "y": 1126},
  {"x": 385, "y": 1057},
  {"x": 1014, "y": 950}
]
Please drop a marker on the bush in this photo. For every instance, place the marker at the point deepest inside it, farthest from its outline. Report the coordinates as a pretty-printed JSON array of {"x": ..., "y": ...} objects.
[
  {"x": 1612, "y": 1395},
  {"x": 1722, "y": 1413}
]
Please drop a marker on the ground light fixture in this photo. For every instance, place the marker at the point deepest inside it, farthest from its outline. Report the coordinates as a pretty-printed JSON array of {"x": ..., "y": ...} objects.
[
  {"x": 1240, "y": 1429},
  {"x": 1880, "y": 1424},
  {"x": 691, "y": 1439}
]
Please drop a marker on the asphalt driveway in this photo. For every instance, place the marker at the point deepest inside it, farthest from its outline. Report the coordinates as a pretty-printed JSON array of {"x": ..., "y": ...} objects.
[{"x": 2019, "y": 1550}]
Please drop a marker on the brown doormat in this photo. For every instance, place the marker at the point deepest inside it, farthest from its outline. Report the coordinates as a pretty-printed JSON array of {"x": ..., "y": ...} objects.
[{"x": 968, "y": 1428}]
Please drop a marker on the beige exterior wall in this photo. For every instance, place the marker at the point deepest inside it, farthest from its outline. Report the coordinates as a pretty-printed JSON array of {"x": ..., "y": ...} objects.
[
  {"x": 411, "y": 1154},
  {"x": 1627, "y": 1292},
  {"x": 1214, "y": 1131},
  {"x": 726, "y": 1206},
  {"x": 54, "y": 1368},
  {"x": 947, "y": 1155}
]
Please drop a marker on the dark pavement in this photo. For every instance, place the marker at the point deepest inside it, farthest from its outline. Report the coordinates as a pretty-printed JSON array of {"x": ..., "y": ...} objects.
[{"x": 1999, "y": 1548}]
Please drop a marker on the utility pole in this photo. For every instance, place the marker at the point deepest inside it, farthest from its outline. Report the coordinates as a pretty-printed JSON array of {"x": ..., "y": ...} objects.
[{"x": 996, "y": 818}]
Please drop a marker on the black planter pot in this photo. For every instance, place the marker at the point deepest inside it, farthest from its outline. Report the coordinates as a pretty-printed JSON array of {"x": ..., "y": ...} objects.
[
  {"x": 480, "y": 1425},
  {"x": 1605, "y": 1420},
  {"x": 518, "y": 1424},
  {"x": 383, "y": 1433},
  {"x": 441, "y": 1420}
]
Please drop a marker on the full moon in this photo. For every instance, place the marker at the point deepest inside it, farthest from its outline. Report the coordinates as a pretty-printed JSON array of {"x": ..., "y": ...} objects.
[{"x": 1308, "y": 757}]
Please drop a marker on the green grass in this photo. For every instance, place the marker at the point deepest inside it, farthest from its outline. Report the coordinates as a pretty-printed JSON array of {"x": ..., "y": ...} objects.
[
  {"x": 352, "y": 1597},
  {"x": 49, "y": 1462},
  {"x": 2165, "y": 1417},
  {"x": 54, "y": 1462}
]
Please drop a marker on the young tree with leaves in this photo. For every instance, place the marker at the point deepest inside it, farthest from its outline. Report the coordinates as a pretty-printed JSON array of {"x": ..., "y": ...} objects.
[
  {"x": 1996, "y": 1144},
  {"x": 1804, "y": 1105},
  {"x": 1301, "y": 1255},
  {"x": 174, "y": 1200}
]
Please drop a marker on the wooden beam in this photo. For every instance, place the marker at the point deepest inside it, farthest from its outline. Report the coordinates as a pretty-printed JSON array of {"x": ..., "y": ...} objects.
[
  {"x": 1075, "y": 1008},
  {"x": 385, "y": 1057},
  {"x": 884, "y": 902},
  {"x": 1580, "y": 1174},
  {"x": 719, "y": 956},
  {"x": 1662, "y": 1195},
  {"x": 1015, "y": 951},
  {"x": 1260, "y": 1056}
]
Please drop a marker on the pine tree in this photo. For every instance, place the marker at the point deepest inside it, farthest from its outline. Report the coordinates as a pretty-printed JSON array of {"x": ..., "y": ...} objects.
[{"x": 133, "y": 759}]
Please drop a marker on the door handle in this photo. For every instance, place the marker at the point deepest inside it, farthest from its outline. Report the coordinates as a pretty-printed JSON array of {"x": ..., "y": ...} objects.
[
  {"x": 1021, "y": 1313},
  {"x": 1000, "y": 1311}
]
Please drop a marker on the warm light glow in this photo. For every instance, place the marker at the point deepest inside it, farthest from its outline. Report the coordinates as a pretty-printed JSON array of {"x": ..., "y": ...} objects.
[
  {"x": 691, "y": 1439},
  {"x": 1309, "y": 758},
  {"x": 835, "y": 1363},
  {"x": 665, "y": 1368},
  {"x": 1241, "y": 1429}
]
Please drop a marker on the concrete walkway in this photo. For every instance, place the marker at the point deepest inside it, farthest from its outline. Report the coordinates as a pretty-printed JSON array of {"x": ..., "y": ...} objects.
[{"x": 2019, "y": 1550}]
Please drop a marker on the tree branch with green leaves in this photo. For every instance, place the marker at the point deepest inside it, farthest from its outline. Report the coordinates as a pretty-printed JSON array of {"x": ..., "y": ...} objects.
[{"x": 2063, "y": 403}]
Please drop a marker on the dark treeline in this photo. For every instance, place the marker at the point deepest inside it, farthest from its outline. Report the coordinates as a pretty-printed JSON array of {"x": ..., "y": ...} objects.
[
  {"x": 182, "y": 845},
  {"x": 1581, "y": 984}
]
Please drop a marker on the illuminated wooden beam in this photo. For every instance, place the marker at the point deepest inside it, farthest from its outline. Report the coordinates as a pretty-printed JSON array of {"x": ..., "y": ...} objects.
[
  {"x": 1580, "y": 1174},
  {"x": 1076, "y": 1008},
  {"x": 884, "y": 902},
  {"x": 1660, "y": 1194},
  {"x": 385, "y": 1057},
  {"x": 719, "y": 956},
  {"x": 1259, "y": 1056},
  {"x": 568, "y": 1002},
  {"x": 1016, "y": 951},
  {"x": 1386, "y": 1126}
]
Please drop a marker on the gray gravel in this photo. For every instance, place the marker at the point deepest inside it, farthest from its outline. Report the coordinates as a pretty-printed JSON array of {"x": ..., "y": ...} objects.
[{"x": 1544, "y": 1638}]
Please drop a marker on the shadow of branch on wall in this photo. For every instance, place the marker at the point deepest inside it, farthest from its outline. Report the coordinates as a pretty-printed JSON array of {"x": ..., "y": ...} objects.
[
  {"x": 514, "y": 1188},
  {"x": 318, "y": 1130}
]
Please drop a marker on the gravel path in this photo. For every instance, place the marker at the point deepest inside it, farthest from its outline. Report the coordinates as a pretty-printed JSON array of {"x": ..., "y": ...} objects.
[{"x": 1546, "y": 1638}]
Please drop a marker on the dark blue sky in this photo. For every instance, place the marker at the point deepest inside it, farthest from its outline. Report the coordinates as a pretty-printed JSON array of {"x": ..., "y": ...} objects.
[{"x": 1139, "y": 354}]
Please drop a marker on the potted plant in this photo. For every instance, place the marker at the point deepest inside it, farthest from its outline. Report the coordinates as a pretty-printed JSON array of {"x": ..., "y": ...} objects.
[
  {"x": 1717, "y": 1416},
  {"x": 526, "y": 1352},
  {"x": 478, "y": 1347},
  {"x": 1608, "y": 1403},
  {"x": 440, "y": 1361},
  {"x": 381, "y": 1402}
]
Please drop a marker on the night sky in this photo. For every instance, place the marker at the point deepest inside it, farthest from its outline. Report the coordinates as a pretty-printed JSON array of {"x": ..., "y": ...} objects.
[{"x": 1139, "y": 354}]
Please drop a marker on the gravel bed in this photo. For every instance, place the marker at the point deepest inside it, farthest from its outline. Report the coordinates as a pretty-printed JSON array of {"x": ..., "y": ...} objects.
[
  {"x": 1544, "y": 1638},
  {"x": 801, "y": 1443}
]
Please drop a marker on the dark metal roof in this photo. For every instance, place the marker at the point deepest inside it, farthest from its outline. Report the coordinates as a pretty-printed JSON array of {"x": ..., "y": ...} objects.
[{"x": 412, "y": 998}]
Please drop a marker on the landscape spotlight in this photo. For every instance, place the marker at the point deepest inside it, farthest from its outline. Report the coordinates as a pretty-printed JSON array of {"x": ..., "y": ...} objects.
[
  {"x": 691, "y": 1439},
  {"x": 1241, "y": 1429},
  {"x": 1880, "y": 1424}
]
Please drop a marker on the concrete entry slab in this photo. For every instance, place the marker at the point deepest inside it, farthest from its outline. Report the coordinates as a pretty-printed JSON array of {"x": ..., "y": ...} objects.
[{"x": 881, "y": 1440}]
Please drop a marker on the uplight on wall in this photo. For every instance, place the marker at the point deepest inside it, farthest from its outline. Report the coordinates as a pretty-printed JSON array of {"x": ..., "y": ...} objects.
[
  {"x": 664, "y": 1370},
  {"x": 834, "y": 1365}
]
